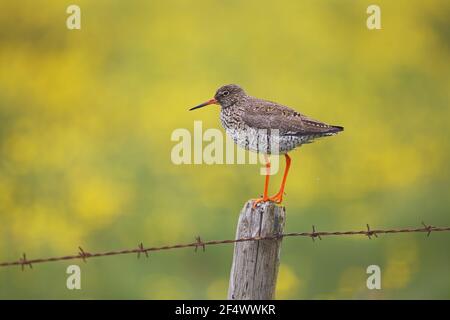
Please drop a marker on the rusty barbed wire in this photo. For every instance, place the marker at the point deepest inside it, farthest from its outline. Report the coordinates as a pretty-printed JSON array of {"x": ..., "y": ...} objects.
[{"x": 84, "y": 255}]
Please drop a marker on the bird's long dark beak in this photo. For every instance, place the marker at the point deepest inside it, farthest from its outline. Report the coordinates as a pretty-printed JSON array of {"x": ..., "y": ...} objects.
[{"x": 212, "y": 101}]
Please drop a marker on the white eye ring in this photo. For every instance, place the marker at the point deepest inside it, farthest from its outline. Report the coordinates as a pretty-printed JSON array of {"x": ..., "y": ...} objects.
[{"x": 225, "y": 93}]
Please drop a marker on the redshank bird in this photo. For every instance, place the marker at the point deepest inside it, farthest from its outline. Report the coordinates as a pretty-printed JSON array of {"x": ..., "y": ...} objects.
[{"x": 254, "y": 123}]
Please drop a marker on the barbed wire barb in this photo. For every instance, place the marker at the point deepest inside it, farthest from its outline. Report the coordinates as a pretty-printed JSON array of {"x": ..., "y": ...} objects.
[
  {"x": 140, "y": 250},
  {"x": 314, "y": 234},
  {"x": 429, "y": 228},
  {"x": 83, "y": 255},
  {"x": 24, "y": 262},
  {"x": 370, "y": 232},
  {"x": 199, "y": 243}
]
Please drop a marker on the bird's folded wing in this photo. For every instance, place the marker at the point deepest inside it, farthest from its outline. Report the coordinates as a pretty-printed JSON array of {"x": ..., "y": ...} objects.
[{"x": 268, "y": 115}]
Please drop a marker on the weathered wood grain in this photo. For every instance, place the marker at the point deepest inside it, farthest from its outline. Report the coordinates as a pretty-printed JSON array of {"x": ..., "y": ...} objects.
[{"x": 255, "y": 263}]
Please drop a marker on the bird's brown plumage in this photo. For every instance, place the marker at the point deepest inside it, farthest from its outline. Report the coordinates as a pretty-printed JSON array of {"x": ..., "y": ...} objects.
[
  {"x": 252, "y": 122},
  {"x": 263, "y": 114}
]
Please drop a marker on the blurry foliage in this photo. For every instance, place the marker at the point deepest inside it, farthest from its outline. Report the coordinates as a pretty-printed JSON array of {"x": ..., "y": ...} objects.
[{"x": 86, "y": 118}]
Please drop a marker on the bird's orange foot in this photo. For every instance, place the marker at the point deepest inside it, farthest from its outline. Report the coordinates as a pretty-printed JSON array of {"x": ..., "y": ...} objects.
[
  {"x": 278, "y": 198},
  {"x": 259, "y": 200}
]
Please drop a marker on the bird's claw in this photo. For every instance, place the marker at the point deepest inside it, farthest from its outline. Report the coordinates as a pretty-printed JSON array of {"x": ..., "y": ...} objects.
[
  {"x": 278, "y": 198},
  {"x": 258, "y": 201}
]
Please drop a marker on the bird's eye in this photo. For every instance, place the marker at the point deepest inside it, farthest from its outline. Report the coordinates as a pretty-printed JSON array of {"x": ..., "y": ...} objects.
[{"x": 225, "y": 93}]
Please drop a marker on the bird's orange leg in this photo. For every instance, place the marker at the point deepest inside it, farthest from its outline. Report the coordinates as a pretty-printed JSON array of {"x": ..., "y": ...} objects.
[
  {"x": 265, "y": 196},
  {"x": 279, "y": 196}
]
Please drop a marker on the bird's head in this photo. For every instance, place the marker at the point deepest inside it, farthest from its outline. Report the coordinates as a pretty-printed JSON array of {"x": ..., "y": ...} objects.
[{"x": 225, "y": 96}]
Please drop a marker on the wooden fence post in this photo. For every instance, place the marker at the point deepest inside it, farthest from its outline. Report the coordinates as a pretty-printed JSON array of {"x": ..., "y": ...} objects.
[{"x": 255, "y": 263}]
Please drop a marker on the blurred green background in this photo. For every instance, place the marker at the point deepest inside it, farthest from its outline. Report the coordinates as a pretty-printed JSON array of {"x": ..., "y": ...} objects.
[{"x": 85, "y": 123}]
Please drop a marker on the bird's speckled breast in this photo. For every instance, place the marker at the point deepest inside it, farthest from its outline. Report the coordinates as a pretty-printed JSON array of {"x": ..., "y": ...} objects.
[{"x": 254, "y": 139}]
